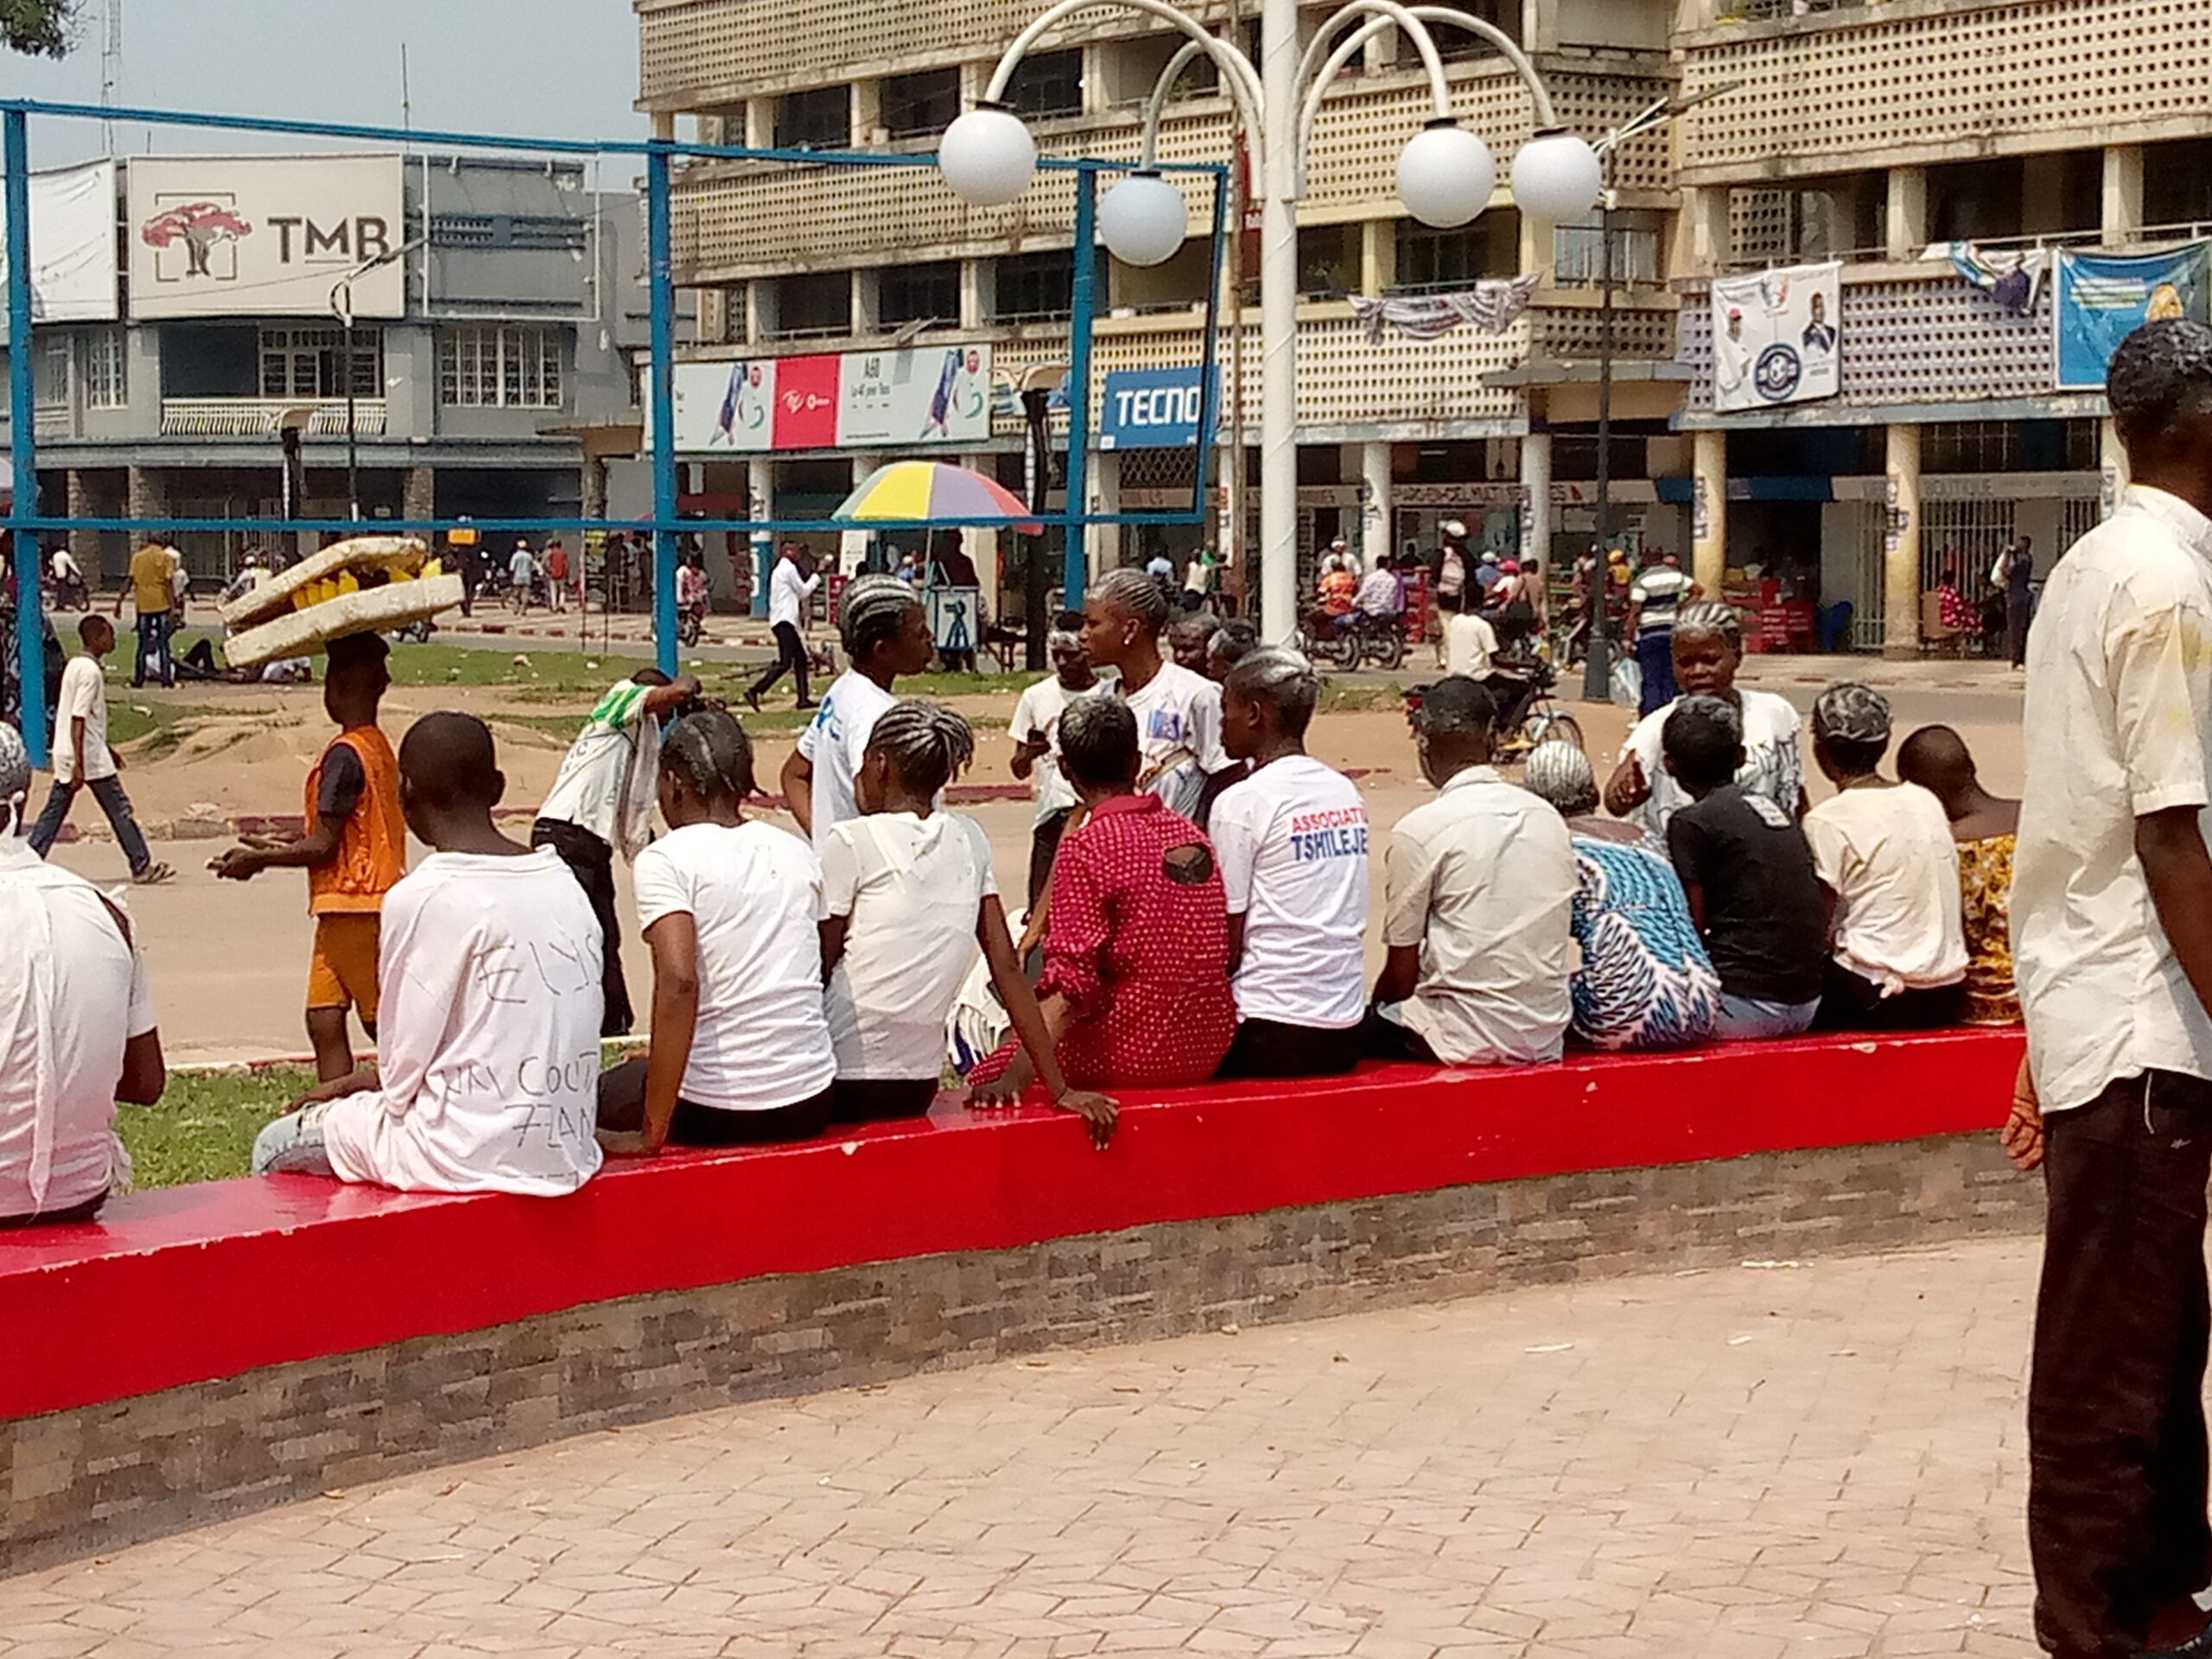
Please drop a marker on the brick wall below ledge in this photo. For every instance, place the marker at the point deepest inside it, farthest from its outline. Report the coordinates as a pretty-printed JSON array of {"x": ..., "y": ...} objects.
[{"x": 91, "y": 1478}]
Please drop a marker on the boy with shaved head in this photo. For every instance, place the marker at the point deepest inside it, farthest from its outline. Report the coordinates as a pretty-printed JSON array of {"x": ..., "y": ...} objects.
[{"x": 487, "y": 1071}]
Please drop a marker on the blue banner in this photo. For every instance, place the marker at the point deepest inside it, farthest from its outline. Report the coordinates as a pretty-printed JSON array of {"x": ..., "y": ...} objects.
[
  {"x": 2101, "y": 298},
  {"x": 1152, "y": 408}
]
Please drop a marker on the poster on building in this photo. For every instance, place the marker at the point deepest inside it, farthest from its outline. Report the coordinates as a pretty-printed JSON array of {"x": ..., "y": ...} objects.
[
  {"x": 860, "y": 400},
  {"x": 73, "y": 267},
  {"x": 1777, "y": 337},
  {"x": 2101, "y": 298},
  {"x": 213, "y": 236},
  {"x": 930, "y": 395},
  {"x": 1151, "y": 409}
]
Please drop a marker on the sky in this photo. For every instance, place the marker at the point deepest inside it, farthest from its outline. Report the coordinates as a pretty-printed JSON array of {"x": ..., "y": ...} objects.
[{"x": 557, "y": 69}]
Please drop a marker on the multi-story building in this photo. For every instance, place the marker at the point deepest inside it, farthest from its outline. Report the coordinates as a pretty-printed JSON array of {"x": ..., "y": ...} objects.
[
  {"x": 1395, "y": 433},
  {"x": 488, "y": 360},
  {"x": 1872, "y": 133}
]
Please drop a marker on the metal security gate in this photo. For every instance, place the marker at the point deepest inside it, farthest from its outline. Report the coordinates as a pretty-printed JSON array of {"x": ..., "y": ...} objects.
[{"x": 1960, "y": 542}]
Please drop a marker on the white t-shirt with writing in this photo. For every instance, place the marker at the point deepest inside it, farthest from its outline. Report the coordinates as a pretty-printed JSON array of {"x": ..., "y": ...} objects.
[
  {"x": 1179, "y": 713},
  {"x": 1888, "y": 855},
  {"x": 913, "y": 889},
  {"x": 834, "y": 744},
  {"x": 1773, "y": 764},
  {"x": 84, "y": 695},
  {"x": 72, "y": 993},
  {"x": 487, "y": 1040},
  {"x": 1038, "y": 716},
  {"x": 1292, "y": 839},
  {"x": 753, "y": 893}
]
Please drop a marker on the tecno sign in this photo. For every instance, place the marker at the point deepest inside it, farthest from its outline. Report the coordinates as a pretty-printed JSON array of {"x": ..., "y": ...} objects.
[
  {"x": 263, "y": 235},
  {"x": 1152, "y": 408}
]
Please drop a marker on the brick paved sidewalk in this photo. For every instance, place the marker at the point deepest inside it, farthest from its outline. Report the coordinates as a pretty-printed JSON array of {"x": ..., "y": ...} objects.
[{"x": 1818, "y": 1462}]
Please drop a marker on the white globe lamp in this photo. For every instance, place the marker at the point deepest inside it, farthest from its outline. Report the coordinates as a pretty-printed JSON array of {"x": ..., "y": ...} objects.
[
  {"x": 1142, "y": 220},
  {"x": 986, "y": 156},
  {"x": 1556, "y": 176},
  {"x": 1445, "y": 175}
]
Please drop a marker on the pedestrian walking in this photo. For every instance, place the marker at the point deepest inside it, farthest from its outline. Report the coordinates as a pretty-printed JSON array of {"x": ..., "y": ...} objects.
[
  {"x": 1654, "y": 600},
  {"x": 791, "y": 584},
  {"x": 2112, "y": 930},
  {"x": 82, "y": 758},
  {"x": 556, "y": 575},
  {"x": 152, "y": 590},
  {"x": 2017, "y": 565}
]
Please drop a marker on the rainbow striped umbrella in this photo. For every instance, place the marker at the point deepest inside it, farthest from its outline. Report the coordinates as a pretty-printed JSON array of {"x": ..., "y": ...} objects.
[{"x": 906, "y": 491}]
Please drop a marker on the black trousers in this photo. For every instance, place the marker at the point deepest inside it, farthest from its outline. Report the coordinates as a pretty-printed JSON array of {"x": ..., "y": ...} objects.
[
  {"x": 1044, "y": 847},
  {"x": 1264, "y": 1048},
  {"x": 790, "y": 654},
  {"x": 881, "y": 1100},
  {"x": 2116, "y": 1441},
  {"x": 1850, "y": 1003},
  {"x": 622, "y": 1108},
  {"x": 2016, "y": 628},
  {"x": 593, "y": 861}
]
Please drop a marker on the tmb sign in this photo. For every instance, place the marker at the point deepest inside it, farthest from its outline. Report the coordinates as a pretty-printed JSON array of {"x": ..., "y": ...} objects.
[
  {"x": 1152, "y": 408},
  {"x": 263, "y": 235}
]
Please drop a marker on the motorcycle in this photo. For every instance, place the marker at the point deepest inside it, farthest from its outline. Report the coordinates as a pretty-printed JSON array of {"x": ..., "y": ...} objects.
[
  {"x": 1345, "y": 642},
  {"x": 689, "y": 620},
  {"x": 1527, "y": 713}
]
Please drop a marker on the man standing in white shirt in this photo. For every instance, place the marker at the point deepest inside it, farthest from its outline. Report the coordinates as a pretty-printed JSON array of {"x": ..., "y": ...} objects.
[
  {"x": 2112, "y": 934},
  {"x": 82, "y": 758},
  {"x": 486, "y": 1078},
  {"x": 791, "y": 584},
  {"x": 1035, "y": 727},
  {"x": 77, "y": 1030},
  {"x": 1292, "y": 839},
  {"x": 1178, "y": 713},
  {"x": 1478, "y": 889}
]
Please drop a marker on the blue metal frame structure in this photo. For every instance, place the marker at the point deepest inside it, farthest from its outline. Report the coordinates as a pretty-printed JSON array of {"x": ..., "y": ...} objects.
[{"x": 27, "y": 522}]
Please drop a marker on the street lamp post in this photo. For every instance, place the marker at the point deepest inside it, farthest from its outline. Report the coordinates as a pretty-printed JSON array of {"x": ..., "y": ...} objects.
[
  {"x": 342, "y": 306},
  {"x": 1445, "y": 177}
]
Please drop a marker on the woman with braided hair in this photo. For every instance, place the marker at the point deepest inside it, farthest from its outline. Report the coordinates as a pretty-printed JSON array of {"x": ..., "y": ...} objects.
[
  {"x": 1178, "y": 713},
  {"x": 740, "y": 1052},
  {"x": 908, "y": 894},
  {"x": 886, "y": 630}
]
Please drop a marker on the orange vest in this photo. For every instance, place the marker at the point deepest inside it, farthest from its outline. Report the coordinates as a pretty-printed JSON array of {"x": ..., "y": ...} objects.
[{"x": 373, "y": 847}]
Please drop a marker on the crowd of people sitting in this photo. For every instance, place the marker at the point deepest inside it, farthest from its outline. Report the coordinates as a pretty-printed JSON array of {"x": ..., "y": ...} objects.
[{"x": 1197, "y": 906}]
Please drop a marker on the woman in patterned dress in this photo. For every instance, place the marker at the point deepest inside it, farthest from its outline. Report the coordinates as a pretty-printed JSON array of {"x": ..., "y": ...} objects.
[{"x": 1644, "y": 981}]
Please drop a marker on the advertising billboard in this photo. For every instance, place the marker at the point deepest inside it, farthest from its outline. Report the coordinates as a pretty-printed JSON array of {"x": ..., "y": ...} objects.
[
  {"x": 1152, "y": 408},
  {"x": 227, "y": 236},
  {"x": 859, "y": 400},
  {"x": 73, "y": 267},
  {"x": 1777, "y": 337},
  {"x": 2101, "y": 298}
]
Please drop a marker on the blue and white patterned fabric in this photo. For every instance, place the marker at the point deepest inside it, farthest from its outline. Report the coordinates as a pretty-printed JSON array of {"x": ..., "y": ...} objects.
[{"x": 1645, "y": 980}]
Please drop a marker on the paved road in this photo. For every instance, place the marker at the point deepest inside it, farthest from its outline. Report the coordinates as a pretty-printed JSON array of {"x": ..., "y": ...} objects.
[{"x": 1818, "y": 1462}]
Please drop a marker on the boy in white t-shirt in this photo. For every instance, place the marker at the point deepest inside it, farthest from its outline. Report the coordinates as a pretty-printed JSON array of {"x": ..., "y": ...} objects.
[
  {"x": 1292, "y": 839},
  {"x": 487, "y": 1034},
  {"x": 908, "y": 895},
  {"x": 1178, "y": 713},
  {"x": 82, "y": 758},
  {"x": 1036, "y": 747},
  {"x": 886, "y": 630},
  {"x": 741, "y": 1053}
]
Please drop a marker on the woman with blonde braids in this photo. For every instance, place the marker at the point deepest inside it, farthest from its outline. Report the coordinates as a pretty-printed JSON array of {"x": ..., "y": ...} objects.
[{"x": 908, "y": 895}]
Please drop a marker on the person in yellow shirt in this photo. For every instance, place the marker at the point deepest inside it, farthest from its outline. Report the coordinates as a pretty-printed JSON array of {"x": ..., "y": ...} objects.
[{"x": 153, "y": 571}]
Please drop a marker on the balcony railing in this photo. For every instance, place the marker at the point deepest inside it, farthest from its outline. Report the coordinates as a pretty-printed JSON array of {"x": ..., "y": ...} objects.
[{"x": 256, "y": 417}]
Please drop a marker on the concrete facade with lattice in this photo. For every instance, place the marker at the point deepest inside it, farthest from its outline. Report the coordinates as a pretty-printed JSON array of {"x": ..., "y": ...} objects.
[
  {"x": 1395, "y": 434},
  {"x": 1881, "y": 133}
]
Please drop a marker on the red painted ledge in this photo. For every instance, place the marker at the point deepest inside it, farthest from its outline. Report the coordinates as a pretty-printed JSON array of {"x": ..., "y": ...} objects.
[{"x": 191, "y": 1283}]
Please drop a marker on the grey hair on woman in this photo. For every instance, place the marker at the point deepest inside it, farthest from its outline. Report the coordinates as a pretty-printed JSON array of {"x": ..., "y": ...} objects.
[
  {"x": 711, "y": 752},
  {"x": 926, "y": 743},
  {"x": 15, "y": 778},
  {"x": 1711, "y": 616},
  {"x": 1561, "y": 774},
  {"x": 1134, "y": 594},
  {"x": 873, "y": 610},
  {"x": 1283, "y": 680}
]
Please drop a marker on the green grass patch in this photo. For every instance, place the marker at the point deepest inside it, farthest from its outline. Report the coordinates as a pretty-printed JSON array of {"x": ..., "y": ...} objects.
[
  {"x": 203, "y": 1127},
  {"x": 1352, "y": 696}
]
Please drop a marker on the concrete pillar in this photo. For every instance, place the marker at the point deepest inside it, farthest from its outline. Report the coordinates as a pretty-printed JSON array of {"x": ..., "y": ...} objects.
[
  {"x": 974, "y": 292},
  {"x": 1102, "y": 543},
  {"x": 982, "y": 546},
  {"x": 1536, "y": 499},
  {"x": 83, "y": 544},
  {"x": 1376, "y": 516},
  {"x": 419, "y": 494},
  {"x": 759, "y": 310},
  {"x": 1907, "y": 218},
  {"x": 1901, "y": 546},
  {"x": 761, "y": 503},
  {"x": 867, "y": 112},
  {"x": 1702, "y": 238},
  {"x": 2121, "y": 221},
  {"x": 1380, "y": 52},
  {"x": 760, "y": 123},
  {"x": 1709, "y": 511},
  {"x": 2112, "y": 463},
  {"x": 665, "y": 124},
  {"x": 867, "y": 309},
  {"x": 1378, "y": 254}
]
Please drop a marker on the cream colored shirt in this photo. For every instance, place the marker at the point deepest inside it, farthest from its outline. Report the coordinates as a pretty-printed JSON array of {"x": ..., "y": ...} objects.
[
  {"x": 1888, "y": 856},
  {"x": 1483, "y": 879},
  {"x": 2119, "y": 725}
]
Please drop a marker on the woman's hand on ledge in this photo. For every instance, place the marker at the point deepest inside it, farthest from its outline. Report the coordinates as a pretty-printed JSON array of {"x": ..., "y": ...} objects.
[{"x": 1098, "y": 1111}]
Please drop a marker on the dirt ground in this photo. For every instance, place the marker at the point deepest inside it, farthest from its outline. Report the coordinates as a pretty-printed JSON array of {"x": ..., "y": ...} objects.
[{"x": 229, "y": 961}]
